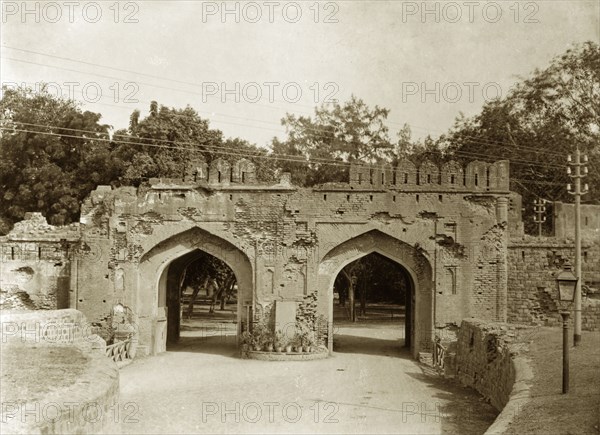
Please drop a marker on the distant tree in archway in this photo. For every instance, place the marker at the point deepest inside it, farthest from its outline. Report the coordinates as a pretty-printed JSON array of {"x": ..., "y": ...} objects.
[
  {"x": 373, "y": 276},
  {"x": 208, "y": 273}
]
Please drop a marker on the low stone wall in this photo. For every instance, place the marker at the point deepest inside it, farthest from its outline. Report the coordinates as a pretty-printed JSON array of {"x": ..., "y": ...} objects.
[
  {"x": 489, "y": 359},
  {"x": 55, "y": 376}
]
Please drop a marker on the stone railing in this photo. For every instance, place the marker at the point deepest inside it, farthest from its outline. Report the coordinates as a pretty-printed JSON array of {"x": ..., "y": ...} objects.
[
  {"x": 439, "y": 355},
  {"x": 120, "y": 351}
]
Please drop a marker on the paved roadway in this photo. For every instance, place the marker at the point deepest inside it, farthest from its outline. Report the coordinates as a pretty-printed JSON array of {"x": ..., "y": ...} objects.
[{"x": 369, "y": 385}]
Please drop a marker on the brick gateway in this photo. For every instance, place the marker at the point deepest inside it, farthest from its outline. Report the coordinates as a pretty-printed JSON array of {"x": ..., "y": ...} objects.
[{"x": 446, "y": 227}]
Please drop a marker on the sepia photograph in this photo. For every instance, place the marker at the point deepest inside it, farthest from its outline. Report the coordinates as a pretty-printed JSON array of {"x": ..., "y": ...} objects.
[{"x": 300, "y": 217}]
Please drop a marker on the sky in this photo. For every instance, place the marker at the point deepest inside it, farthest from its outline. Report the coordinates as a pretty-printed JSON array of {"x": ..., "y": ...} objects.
[{"x": 244, "y": 65}]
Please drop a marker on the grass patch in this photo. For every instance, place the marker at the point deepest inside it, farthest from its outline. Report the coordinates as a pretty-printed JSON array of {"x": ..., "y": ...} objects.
[
  {"x": 549, "y": 411},
  {"x": 30, "y": 373}
]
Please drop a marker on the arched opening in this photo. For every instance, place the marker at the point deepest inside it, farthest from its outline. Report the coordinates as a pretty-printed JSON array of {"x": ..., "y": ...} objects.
[
  {"x": 372, "y": 306},
  {"x": 409, "y": 262},
  {"x": 201, "y": 301},
  {"x": 159, "y": 283}
]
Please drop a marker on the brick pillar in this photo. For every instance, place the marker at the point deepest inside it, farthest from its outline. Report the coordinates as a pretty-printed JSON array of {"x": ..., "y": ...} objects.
[
  {"x": 502, "y": 286},
  {"x": 502, "y": 263},
  {"x": 286, "y": 179},
  {"x": 501, "y": 210}
]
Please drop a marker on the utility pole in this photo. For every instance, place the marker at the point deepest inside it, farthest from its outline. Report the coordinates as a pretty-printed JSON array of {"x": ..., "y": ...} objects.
[
  {"x": 539, "y": 208},
  {"x": 577, "y": 165}
]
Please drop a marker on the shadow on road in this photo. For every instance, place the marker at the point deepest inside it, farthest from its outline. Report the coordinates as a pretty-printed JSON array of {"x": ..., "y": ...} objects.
[
  {"x": 381, "y": 338},
  {"x": 207, "y": 336},
  {"x": 459, "y": 409},
  {"x": 347, "y": 343},
  {"x": 218, "y": 345}
]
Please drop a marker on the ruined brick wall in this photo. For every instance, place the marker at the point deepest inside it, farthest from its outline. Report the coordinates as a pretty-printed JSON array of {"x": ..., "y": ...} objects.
[
  {"x": 564, "y": 220},
  {"x": 281, "y": 235},
  {"x": 516, "y": 227},
  {"x": 484, "y": 358},
  {"x": 35, "y": 265},
  {"x": 490, "y": 268},
  {"x": 533, "y": 265},
  {"x": 447, "y": 227}
]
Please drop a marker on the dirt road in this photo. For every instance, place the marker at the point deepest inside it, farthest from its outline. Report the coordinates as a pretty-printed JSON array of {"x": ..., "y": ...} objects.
[{"x": 370, "y": 385}]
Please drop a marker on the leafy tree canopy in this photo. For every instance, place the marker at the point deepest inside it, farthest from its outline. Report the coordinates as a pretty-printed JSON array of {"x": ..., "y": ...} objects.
[
  {"x": 543, "y": 118},
  {"x": 164, "y": 143},
  {"x": 345, "y": 133},
  {"x": 52, "y": 155}
]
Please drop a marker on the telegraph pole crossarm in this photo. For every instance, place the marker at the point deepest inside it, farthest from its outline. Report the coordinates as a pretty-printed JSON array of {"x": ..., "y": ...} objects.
[{"x": 539, "y": 208}]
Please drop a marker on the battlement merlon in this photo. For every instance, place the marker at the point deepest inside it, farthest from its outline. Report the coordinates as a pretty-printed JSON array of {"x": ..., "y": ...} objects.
[{"x": 476, "y": 176}]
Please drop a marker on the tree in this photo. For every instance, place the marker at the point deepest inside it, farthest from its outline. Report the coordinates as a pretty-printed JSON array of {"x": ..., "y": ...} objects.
[
  {"x": 352, "y": 132},
  {"x": 168, "y": 141},
  {"x": 164, "y": 143},
  {"x": 204, "y": 272},
  {"x": 51, "y": 156},
  {"x": 350, "y": 272},
  {"x": 376, "y": 278},
  {"x": 541, "y": 120},
  {"x": 405, "y": 146}
]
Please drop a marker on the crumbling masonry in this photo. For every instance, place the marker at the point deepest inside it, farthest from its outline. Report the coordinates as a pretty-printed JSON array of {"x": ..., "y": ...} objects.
[{"x": 447, "y": 227}]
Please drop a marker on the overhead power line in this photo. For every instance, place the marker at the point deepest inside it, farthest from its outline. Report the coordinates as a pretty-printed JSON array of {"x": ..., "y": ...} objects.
[
  {"x": 468, "y": 154},
  {"x": 179, "y": 143},
  {"x": 472, "y": 139},
  {"x": 209, "y": 148}
]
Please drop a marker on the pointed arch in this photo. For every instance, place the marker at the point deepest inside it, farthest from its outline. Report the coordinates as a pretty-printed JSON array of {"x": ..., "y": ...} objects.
[
  {"x": 152, "y": 282},
  {"x": 408, "y": 257}
]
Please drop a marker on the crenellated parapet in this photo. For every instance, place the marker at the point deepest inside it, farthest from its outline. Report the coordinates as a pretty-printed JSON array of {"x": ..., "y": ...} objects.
[
  {"x": 220, "y": 172},
  {"x": 243, "y": 172},
  {"x": 406, "y": 173},
  {"x": 197, "y": 171},
  {"x": 476, "y": 176},
  {"x": 429, "y": 174},
  {"x": 453, "y": 174},
  {"x": 223, "y": 172}
]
